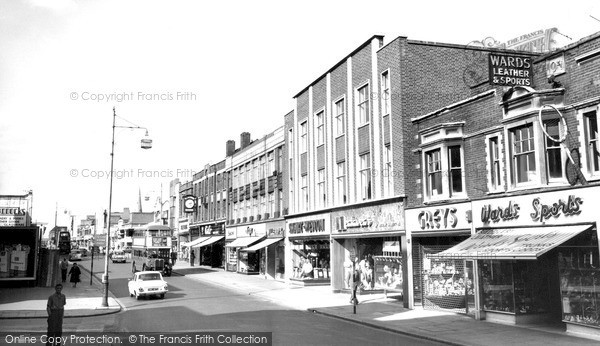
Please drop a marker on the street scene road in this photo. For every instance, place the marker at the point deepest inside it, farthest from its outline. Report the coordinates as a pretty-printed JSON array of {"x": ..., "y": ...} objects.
[{"x": 192, "y": 305}]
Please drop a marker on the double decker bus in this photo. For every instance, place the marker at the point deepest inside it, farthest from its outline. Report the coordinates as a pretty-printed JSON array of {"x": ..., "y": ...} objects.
[{"x": 151, "y": 247}]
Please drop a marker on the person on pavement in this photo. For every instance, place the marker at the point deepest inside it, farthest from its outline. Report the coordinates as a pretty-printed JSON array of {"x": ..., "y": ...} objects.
[
  {"x": 56, "y": 311},
  {"x": 348, "y": 272},
  {"x": 356, "y": 275},
  {"x": 75, "y": 273},
  {"x": 64, "y": 266},
  {"x": 173, "y": 257},
  {"x": 192, "y": 257}
]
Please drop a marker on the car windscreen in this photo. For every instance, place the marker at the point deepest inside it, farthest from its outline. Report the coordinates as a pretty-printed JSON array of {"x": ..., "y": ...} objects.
[{"x": 144, "y": 277}]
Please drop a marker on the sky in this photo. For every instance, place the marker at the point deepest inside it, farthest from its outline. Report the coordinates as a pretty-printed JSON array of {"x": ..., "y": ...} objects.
[{"x": 194, "y": 74}]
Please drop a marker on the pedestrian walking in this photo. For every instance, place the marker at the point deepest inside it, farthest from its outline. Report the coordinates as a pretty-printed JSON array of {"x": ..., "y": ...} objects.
[
  {"x": 64, "y": 266},
  {"x": 192, "y": 257},
  {"x": 355, "y": 281},
  {"x": 348, "y": 272},
  {"x": 173, "y": 257},
  {"x": 75, "y": 273},
  {"x": 56, "y": 311}
]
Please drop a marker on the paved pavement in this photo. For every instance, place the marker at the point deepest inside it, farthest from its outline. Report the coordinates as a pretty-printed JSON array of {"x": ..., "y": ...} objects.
[
  {"x": 83, "y": 300},
  {"x": 374, "y": 310}
]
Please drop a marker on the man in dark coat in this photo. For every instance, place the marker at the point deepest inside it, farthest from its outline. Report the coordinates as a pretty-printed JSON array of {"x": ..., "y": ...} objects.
[
  {"x": 56, "y": 310},
  {"x": 75, "y": 272},
  {"x": 64, "y": 266},
  {"x": 173, "y": 257}
]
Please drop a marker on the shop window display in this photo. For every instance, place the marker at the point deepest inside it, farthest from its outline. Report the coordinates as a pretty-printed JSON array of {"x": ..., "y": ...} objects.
[
  {"x": 232, "y": 259},
  {"x": 497, "y": 282},
  {"x": 311, "y": 260},
  {"x": 249, "y": 262},
  {"x": 519, "y": 287},
  {"x": 445, "y": 283},
  {"x": 388, "y": 273},
  {"x": 579, "y": 268}
]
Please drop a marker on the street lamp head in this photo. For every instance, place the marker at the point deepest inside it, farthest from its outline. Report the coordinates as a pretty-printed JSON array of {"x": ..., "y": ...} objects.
[{"x": 146, "y": 142}]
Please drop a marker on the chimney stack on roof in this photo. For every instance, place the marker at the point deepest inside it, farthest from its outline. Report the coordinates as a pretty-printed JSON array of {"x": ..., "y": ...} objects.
[
  {"x": 230, "y": 147},
  {"x": 244, "y": 139}
]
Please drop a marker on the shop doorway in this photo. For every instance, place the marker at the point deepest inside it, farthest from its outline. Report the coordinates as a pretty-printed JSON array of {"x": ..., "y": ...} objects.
[{"x": 443, "y": 284}]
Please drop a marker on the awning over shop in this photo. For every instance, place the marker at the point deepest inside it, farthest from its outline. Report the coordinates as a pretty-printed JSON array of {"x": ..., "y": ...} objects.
[
  {"x": 195, "y": 242},
  {"x": 511, "y": 243},
  {"x": 209, "y": 241},
  {"x": 243, "y": 242},
  {"x": 262, "y": 244}
]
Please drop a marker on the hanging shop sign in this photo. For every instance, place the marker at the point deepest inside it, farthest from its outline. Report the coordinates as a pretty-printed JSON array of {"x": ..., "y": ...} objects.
[
  {"x": 510, "y": 70},
  {"x": 381, "y": 218},
  {"x": 189, "y": 203}
]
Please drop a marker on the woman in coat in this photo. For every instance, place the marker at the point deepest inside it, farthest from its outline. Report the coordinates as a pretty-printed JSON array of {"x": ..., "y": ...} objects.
[{"x": 75, "y": 272}]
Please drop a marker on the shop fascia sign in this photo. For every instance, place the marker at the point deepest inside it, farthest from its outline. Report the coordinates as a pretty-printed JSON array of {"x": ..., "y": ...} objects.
[
  {"x": 306, "y": 227},
  {"x": 231, "y": 234},
  {"x": 568, "y": 207},
  {"x": 510, "y": 70},
  {"x": 552, "y": 207},
  {"x": 13, "y": 217},
  {"x": 495, "y": 214},
  {"x": 276, "y": 232},
  {"x": 440, "y": 218},
  {"x": 370, "y": 219}
]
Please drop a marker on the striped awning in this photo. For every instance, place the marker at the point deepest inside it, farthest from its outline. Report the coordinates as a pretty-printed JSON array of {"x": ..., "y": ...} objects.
[
  {"x": 243, "y": 242},
  {"x": 209, "y": 241},
  {"x": 195, "y": 242},
  {"x": 262, "y": 244},
  {"x": 511, "y": 243}
]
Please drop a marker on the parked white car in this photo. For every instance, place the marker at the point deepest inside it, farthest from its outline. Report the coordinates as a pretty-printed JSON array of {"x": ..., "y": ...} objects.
[{"x": 147, "y": 283}]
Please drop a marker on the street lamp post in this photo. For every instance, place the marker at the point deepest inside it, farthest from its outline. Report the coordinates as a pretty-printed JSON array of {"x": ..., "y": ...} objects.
[{"x": 146, "y": 144}]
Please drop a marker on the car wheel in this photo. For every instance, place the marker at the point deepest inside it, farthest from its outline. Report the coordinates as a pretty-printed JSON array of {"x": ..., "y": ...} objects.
[{"x": 162, "y": 296}]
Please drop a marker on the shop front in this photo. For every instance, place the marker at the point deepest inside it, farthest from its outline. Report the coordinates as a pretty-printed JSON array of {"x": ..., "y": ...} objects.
[
  {"x": 537, "y": 257},
  {"x": 210, "y": 250},
  {"x": 238, "y": 239},
  {"x": 19, "y": 240},
  {"x": 439, "y": 283},
  {"x": 373, "y": 234},
  {"x": 270, "y": 251},
  {"x": 308, "y": 249}
]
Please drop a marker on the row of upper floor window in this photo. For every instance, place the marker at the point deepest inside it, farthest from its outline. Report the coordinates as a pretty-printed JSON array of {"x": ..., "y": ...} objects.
[
  {"x": 261, "y": 167},
  {"x": 341, "y": 186},
  {"x": 363, "y": 106},
  {"x": 525, "y": 153}
]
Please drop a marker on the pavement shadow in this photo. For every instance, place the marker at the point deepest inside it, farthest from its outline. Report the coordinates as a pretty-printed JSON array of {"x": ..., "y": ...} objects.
[{"x": 190, "y": 271}]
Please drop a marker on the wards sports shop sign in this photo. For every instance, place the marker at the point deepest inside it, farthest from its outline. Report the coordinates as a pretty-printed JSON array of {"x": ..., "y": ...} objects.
[{"x": 509, "y": 70}]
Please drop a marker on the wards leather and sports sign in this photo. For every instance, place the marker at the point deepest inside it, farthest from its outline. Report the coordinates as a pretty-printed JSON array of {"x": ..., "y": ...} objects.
[{"x": 509, "y": 70}]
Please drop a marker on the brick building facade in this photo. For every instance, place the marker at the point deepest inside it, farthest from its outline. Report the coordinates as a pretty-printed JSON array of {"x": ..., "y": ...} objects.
[{"x": 497, "y": 203}]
